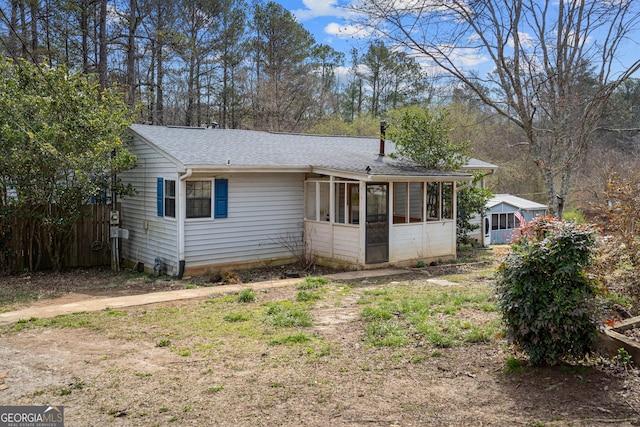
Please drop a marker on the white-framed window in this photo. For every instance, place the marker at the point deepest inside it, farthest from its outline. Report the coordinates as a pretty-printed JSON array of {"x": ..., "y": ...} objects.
[
  {"x": 170, "y": 198},
  {"x": 502, "y": 221},
  {"x": 203, "y": 199},
  {"x": 198, "y": 199}
]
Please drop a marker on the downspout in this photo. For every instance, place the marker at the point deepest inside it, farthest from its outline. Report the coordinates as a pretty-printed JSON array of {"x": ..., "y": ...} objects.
[{"x": 181, "y": 218}]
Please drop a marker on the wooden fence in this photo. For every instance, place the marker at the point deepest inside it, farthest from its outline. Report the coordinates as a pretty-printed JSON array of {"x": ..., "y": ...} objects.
[{"x": 89, "y": 244}]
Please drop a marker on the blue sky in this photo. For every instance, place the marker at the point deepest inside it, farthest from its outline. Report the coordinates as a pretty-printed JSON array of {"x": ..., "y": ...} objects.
[{"x": 328, "y": 21}]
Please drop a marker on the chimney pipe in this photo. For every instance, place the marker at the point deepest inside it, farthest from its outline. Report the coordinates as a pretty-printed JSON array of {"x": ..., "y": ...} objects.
[{"x": 383, "y": 128}]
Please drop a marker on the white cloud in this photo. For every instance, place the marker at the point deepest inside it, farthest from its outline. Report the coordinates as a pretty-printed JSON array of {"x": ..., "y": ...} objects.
[
  {"x": 319, "y": 8},
  {"x": 526, "y": 40},
  {"x": 347, "y": 31}
]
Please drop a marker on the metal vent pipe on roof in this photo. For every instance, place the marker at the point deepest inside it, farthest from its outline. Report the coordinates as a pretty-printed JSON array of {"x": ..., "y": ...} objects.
[{"x": 383, "y": 129}]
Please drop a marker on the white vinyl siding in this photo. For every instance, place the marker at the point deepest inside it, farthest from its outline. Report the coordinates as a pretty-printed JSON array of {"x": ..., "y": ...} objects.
[
  {"x": 150, "y": 236},
  {"x": 262, "y": 209},
  {"x": 320, "y": 238}
]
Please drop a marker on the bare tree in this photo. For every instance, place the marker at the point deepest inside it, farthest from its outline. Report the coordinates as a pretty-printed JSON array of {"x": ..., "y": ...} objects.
[{"x": 553, "y": 66}]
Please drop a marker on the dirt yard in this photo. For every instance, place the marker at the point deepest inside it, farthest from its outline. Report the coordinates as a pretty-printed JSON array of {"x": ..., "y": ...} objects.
[{"x": 117, "y": 374}]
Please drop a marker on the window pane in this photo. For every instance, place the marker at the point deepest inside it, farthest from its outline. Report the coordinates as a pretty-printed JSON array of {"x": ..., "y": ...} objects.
[
  {"x": 494, "y": 222},
  {"x": 354, "y": 203},
  {"x": 400, "y": 202},
  {"x": 510, "y": 221},
  {"x": 415, "y": 202},
  {"x": 170, "y": 207},
  {"x": 339, "y": 203},
  {"x": 198, "y": 199},
  {"x": 432, "y": 201},
  {"x": 170, "y": 198},
  {"x": 324, "y": 201},
  {"x": 503, "y": 221},
  {"x": 170, "y": 188},
  {"x": 447, "y": 200},
  {"x": 311, "y": 201}
]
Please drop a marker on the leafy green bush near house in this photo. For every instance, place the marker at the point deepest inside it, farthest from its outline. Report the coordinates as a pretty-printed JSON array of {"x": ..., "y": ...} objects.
[{"x": 546, "y": 298}]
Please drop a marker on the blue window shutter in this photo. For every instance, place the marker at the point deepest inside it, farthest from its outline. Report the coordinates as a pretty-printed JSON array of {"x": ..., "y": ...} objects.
[
  {"x": 160, "y": 196},
  {"x": 221, "y": 190}
]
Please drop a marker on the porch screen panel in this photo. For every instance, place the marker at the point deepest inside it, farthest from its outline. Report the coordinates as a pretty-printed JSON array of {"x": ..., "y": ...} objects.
[
  {"x": 433, "y": 201},
  {"x": 400, "y": 199},
  {"x": 311, "y": 201},
  {"x": 354, "y": 203},
  {"x": 447, "y": 200},
  {"x": 416, "y": 201},
  {"x": 324, "y": 201},
  {"x": 340, "y": 203}
]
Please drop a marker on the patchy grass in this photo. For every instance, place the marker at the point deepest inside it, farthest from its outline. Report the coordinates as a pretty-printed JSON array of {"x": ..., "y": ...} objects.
[
  {"x": 393, "y": 316},
  {"x": 285, "y": 314},
  {"x": 246, "y": 295},
  {"x": 441, "y": 316},
  {"x": 313, "y": 282}
]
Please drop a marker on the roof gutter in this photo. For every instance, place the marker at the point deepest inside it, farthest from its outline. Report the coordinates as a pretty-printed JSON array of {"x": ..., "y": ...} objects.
[{"x": 181, "y": 219}]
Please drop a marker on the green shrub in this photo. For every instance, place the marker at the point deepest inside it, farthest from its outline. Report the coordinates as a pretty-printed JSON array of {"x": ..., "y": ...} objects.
[
  {"x": 246, "y": 295},
  {"x": 313, "y": 282},
  {"x": 237, "y": 317},
  {"x": 304, "y": 296},
  {"x": 285, "y": 315},
  {"x": 546, "y": 299}
]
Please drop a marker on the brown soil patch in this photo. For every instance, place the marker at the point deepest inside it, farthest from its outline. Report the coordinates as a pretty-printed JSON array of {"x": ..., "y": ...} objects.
[{"x": 130, "y": 382}]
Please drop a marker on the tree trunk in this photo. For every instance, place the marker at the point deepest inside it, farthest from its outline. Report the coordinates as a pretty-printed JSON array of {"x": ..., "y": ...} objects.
[
  {"x": 84, "y": 31},
  {"x": 131, "y": 53},
  {"x": 159, "y": 115},
  {"x": 34, "y": 31},
  {"x": 102, "y": 63},
  {"x": 159, "y": 45},
  {"x": 24, "y": 31}
]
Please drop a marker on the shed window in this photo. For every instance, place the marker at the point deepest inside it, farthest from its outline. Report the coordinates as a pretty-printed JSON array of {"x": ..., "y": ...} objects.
[
  {"x": 198, "y": 199},
  {"x": 502, "y": 221}
]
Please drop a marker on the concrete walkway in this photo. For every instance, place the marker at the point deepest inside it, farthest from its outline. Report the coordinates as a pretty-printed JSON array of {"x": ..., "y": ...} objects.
[{"x": 181, "y": 294}]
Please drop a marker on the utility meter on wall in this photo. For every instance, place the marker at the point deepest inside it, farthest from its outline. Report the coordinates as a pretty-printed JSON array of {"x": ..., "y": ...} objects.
[{"x": 114, "y": 218}]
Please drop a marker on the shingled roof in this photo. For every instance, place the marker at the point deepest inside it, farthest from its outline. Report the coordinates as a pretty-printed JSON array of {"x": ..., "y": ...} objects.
[{"x": 192, "y": 147}]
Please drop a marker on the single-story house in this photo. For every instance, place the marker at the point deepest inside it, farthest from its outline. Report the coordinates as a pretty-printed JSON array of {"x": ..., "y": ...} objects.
[
  {"x": 506, "y": 213},
  {"x": 215, "y": 199}
]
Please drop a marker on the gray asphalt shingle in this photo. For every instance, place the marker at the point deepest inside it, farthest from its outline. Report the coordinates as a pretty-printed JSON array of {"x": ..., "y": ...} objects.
[{"x": 200, "y": 147}]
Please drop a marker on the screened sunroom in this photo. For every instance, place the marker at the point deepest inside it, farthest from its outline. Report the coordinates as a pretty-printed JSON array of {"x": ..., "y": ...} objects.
[{"x": 374, "y": 221}]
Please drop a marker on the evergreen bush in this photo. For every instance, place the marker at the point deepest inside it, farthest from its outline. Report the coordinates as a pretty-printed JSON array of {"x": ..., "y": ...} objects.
[{"x": 546, "y": 298}]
